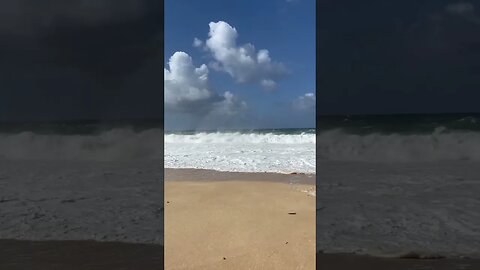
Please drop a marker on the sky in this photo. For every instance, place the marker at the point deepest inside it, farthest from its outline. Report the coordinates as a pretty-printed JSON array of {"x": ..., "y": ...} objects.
[
  {"x": 239, "y": 64},
  {"x": 102, "y": 59},
  {"x": 80, "y": 59},
  {"x": 388, "y": 57}
]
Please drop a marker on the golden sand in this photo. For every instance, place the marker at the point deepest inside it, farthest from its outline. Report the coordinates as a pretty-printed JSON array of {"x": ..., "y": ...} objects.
[{"x": 238, "y": 225}]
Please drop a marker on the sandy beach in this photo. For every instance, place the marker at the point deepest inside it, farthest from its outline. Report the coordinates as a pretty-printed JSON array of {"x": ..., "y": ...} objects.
[{"x": 238, "y": 220}]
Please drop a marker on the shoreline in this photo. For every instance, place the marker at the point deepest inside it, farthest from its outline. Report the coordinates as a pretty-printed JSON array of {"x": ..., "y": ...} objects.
[
  {"x": 390, "y": 209},
  {"x": 208, "y": 175},
  {"x": 81, "y": 200},
  {"x": 238, "y": 221},
  {"x": 347, "y": 261},
  {"x": 305, "y": 183}
]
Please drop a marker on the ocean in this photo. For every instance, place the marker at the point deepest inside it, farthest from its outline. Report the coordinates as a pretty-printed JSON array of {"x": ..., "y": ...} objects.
[
  {"x": 83, "y": 140},
  {"x": 82, "y": 180},
  {"x": 387, "y": 138},
  {"x": 399, "y": 138},
  {"x": 393, "y": 184},
  {"x": 262, "y": 150}
]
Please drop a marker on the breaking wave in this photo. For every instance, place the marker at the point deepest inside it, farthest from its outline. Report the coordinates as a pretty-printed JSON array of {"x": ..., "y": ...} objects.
[
  {"x": 281, "y": 152},
  {"x": 235, "y": 151},
  {"x": 241, "y": 138},
  {"x": 116, "y": 144},
  {"x": 376, "y": 147}
]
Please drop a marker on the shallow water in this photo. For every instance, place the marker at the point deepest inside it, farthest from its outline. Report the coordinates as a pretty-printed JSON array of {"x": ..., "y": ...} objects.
[{"x": 389, "y": 208}]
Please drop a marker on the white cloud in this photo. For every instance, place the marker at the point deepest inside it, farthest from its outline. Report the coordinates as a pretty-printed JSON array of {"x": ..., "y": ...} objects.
[
  {"x": 305, "y": 102},
  {"x": 230, "y": 106},
  {"x": 187, "y": 90},
  {"x": 243, "y": 63},
  {"x": 197, "y": 42}
]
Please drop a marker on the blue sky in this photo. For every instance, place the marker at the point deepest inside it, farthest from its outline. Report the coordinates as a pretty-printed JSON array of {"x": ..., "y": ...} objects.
[{"x": 275, "y": 93}]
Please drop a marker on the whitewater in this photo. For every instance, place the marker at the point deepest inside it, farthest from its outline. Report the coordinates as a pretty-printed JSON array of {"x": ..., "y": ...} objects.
[{"x": 242, "y": 152}]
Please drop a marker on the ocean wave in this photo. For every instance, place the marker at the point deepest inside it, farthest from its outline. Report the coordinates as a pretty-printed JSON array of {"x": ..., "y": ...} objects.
[
  {"x": 436, "y": 146},
  {"x": 240, "y": 138},
  {"x": 242, "y": 152},
  {"x": 115, "y": 144},
  {"x": 233, "y": 151}
]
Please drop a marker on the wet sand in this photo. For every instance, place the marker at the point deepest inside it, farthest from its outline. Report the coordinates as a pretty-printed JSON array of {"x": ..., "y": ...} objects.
[
  {"x": 211, "y": 175},
  {"x": 360, "y": 262},
  {"x": 81, "y": 255},
  {"x": 238, "y": 221}
]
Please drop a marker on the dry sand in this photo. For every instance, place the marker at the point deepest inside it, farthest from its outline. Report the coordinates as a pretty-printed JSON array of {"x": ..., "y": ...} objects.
[{"x": 239, "y": 222}]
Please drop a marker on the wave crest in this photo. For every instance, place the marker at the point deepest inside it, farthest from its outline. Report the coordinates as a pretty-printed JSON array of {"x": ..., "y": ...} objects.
[
  {"x": 439, "y": 145},
  {"x": 116, "y": 144},
  {"x": 240, "y": 138}
]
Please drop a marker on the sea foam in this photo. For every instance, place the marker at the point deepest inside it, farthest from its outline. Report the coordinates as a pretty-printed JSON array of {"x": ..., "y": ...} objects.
[{"x": 242, "y": 152}]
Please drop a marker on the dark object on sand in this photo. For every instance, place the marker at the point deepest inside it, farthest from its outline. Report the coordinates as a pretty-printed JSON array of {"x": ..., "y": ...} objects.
[{"x": 292, "y": 213}]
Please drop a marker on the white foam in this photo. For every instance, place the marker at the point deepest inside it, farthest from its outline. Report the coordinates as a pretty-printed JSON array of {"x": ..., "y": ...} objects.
[{"x": 239, "y": 152}]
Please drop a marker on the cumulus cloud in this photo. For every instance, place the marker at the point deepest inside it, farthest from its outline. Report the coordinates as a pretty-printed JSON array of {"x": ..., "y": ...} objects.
[
  {"x": 231, "y": 105},
  {"x": 197, "y": 42},
  {"x": 243, "y": 63},
  {"x": 305, "y": 102},
  {"x": 187, "y": 90}
]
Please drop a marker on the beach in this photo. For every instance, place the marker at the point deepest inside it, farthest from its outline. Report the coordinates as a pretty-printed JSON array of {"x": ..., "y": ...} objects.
[
  {"x": 224, "y": 220},
  {"x": 79, "y": 255},
  {"x": 69, "y": 213},
  {"x": 341, "y": 261},
  {"x": 392, "y": 210}
]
